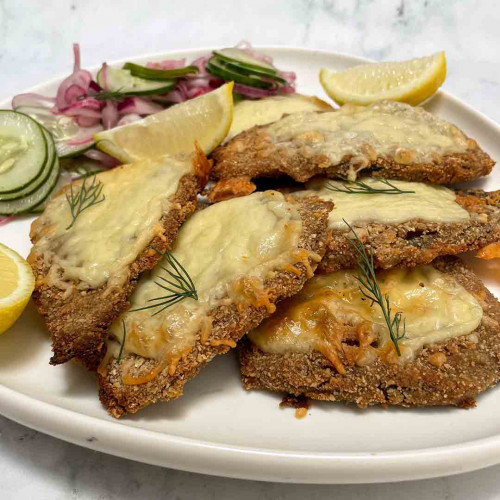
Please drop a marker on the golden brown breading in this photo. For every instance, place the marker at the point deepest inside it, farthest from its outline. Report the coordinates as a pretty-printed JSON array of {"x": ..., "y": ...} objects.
[
  {"x": 419, "y": 242},
  {"x": 452, "y": 372},
  {"x": 229, "y": 324},
  {"x": 257, "y": 153},
  {"x": 78, "y": 322}
]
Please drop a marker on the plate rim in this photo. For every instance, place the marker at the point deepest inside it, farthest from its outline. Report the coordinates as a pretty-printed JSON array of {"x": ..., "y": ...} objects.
[{"x": 195, "y": 455}]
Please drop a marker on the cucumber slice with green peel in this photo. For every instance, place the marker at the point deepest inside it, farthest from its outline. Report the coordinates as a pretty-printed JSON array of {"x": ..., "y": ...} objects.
[
  {"x": 121, "y": 80},
  {"x": 64, "y": 130},
  {"x": 81, "y": 166},
  {"x": 35, "y": 185},
  {"x": 240, "y": 57},
  {"x": 35, "y": 199},
  {"x": 159, "y": 74},
  {"x": 71, "y": 169},
  {"x": 218, "y": 68},
  {"x": 23, "y": 151},
  {"x": 254, "y": 72}
]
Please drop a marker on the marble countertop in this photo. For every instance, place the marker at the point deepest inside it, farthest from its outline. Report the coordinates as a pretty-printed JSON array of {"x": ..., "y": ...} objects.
[{"x": 35, "y": 45}]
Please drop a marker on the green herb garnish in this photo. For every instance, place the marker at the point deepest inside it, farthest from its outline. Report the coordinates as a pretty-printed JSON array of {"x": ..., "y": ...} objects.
[
  {"x": 106, "y": 95},
  {"x": 369, "y": 287},
  {"x": 360, "y": 187},
  {"x": 85, "y": 197},
  {"x": 177, "y": 283},
  {"x": 123, "y": 341}
]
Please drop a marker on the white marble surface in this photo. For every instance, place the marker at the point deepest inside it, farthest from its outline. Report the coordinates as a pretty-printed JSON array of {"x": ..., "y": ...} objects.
[{"x": 35, "y": 45}]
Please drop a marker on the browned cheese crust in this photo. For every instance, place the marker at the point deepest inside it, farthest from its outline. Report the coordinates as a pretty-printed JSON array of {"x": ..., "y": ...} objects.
[
  {"x": 254, "y": 154},
  {"x": 420, "y": 242},
  {"x": 78, "y": 323},
  {"x": 453, "y": 372},
  {"x": 229, "y": 324}
]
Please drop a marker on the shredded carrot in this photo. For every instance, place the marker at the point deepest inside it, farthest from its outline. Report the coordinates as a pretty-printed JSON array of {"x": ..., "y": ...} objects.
[
  {"x": 262, "y": 299},
  {"x": 437, "y": 359},
  {"x": 102, "y": 370},
  {"x": 234, "y": 187},
  {"x": 300, "y": 413},
  {"x": 302, "y": 256},
  {"x": 292, "y": 269},
  {"x": 251, "y": 289},
  {"x": 331, "y": 355},
  {"x": 492, "y": 251},
  {"x": 228, "y": 342},
  {"x": 469, "y": 201},
  {"x": 143, "y": 379},
  {"x": 173, "y": 365},
  {"x": 202, "y": 165},
  {"x": 206, "y": 328}
]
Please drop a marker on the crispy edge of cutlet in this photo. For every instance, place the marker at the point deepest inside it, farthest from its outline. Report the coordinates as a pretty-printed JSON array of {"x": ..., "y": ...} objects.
[
  {"x": 452, "y": 372},
  {"x": 78, "y": 323},
  {"x": 253, "y": 154},
  {"x": 419, "y": 242},
  {"x": 229, "y": 324}
]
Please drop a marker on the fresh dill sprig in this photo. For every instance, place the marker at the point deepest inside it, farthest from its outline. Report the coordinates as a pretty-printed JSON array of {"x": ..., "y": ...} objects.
[
  {"x": 360, "y": 187},
  {"x": 123, "y": 341},
  {"x": 85, "y": 197},
  {"x": 369, "y": 288},
  {"x": 177, "y": 283},
  {"x": 106, "y": 95}
]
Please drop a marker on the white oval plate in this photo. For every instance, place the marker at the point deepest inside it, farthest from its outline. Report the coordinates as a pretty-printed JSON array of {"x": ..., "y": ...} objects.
[{"x": 218, "y": 428}]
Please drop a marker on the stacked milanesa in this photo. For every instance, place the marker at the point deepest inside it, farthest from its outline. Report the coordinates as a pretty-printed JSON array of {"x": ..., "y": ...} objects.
[
  {"x": 243, "y": 256},
  {"x": 145, "y": 302},
  {"x": 146, "y": 290},
  {"x": 436, "y": 341}
]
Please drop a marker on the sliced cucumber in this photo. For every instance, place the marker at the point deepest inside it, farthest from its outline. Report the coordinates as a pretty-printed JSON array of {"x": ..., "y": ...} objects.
[
  {"x": 81, "y": 166},
  {"x": 23, "y": 151},
  {"x": 63, "y": 180},
  {"x": 64, "y": 129},
  {"x": 221, "y": 70},
  {"x": 34, "y": 185},
  {"x": 242, "y": 59},
  {"x": 254, "y": 72},
  {"x": 36, "y": 199},
  {"x": 159, "y": 74},
  {"x": 121, "y": 80}
]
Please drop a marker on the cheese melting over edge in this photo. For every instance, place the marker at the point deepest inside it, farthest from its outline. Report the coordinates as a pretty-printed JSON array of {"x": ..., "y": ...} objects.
[
  {"x": 248, "y": 113},
  {"x": 227, "y": 249},
  {"x": 391, "y": 129},
  {"x": 107, "y": 237},
  {"x": 427, "y": 202},
  {"x": 330, "y": 309}
]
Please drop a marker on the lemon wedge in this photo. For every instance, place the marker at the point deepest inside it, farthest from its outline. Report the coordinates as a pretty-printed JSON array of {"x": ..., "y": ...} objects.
[
  {"x": 410, "y": 81},
  {"x": 16, "y": 285},
  {"x": 206, "y": 119}
]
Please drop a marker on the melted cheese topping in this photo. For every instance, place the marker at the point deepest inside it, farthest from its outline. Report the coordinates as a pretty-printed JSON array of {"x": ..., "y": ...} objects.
[
  {"x": 428, "y": 203},
  {"x": 107, "y": 237},
  {"x": 228, "y": 249},
  {"x": 404, "y": 133},
  {"x": 249, "y": 113},
  {"x": 330, "y": 307}
]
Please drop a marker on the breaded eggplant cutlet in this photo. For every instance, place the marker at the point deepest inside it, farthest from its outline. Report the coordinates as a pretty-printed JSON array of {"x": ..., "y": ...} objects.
[
  {"x": 242, "y": 256},
  {"x": 387, "y": 139},
  {"x": 339, "y": 349},
  {"x": 404, "y": 223},
  {"x": 87, "y": 266}
]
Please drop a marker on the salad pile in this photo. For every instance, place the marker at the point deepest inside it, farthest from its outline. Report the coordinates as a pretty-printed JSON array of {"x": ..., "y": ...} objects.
[{"x": 54, "y": 136}]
